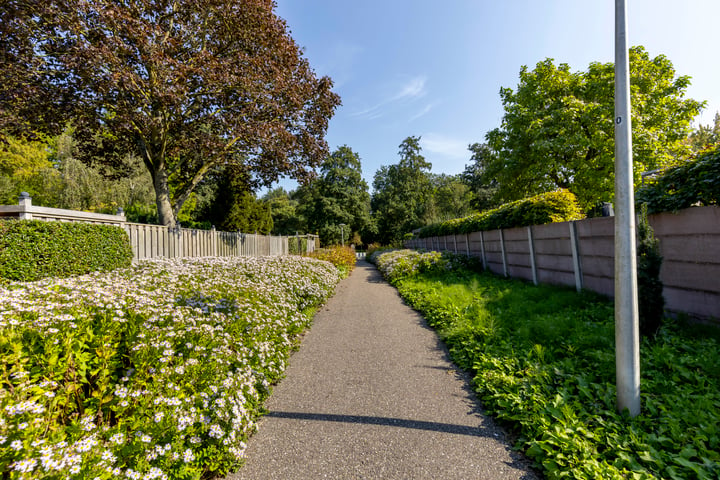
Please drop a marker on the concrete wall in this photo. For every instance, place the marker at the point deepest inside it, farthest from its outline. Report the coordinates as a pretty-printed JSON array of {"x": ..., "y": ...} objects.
[{"x": 582, "y": 254}]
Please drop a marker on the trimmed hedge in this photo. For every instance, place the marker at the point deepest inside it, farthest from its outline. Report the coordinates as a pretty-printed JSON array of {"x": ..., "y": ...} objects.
[
  {"x": 697, "y": 182},
  {"x": 32, "y": 249},
  {"x": 558, "y": 206}
]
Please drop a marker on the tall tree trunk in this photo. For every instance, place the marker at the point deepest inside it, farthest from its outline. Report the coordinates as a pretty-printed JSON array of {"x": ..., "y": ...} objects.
[{"x": 162, "y": 199}]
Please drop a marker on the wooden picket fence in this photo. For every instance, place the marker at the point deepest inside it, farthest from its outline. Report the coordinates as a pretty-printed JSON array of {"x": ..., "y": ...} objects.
[{"x": 151, "y": 241}]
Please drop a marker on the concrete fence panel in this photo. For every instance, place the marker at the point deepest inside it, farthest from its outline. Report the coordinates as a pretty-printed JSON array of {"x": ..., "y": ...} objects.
[
  {"x": 517, "y": 253},
  {"x": 596, "y": 238},
  {"x": 582, "y": 254},
  {"x": 690, "y": 246},
  {"x": 553, "y": 254},
  {"x": 494, "y": 251}
]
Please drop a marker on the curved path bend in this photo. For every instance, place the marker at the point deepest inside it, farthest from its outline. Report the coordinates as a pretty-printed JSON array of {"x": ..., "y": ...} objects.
[{"x": 372, "y": 394}]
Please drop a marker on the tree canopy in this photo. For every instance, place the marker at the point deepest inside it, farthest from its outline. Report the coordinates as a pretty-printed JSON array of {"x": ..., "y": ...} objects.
[
  {"x": 189, "y": 87},
  {"x": 706, "y": 136},
  {"x": 338, "y": 196},
  {"x": 401, "y": 193},
  {"x": 558, "y": 131}
]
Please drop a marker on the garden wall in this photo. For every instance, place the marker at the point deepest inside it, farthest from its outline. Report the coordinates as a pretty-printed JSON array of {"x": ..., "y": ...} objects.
[{"x": 581, "y": 254}]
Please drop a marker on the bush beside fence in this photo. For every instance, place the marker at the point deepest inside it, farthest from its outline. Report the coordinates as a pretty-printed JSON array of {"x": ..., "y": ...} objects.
[{"x": 33, "y": 249}]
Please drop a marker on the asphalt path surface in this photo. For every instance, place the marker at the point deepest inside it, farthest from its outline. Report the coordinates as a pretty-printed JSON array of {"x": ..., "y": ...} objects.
[{"x": 372, "y": 394}]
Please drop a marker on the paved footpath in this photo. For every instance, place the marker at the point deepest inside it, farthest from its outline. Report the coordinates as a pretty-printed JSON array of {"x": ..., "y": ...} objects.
[{"x": 371, "y": 394}]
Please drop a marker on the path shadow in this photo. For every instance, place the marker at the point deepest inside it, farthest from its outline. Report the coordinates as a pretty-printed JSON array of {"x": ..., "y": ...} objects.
[
  {"x": 374, "y": 275},
  {"x": 478, "y": 431}
]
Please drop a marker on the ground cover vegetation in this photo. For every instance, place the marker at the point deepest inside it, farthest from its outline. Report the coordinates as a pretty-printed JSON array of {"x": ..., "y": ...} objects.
[
  {"x": 543, "y": 364},
  {"x": 158, "y": 370}
]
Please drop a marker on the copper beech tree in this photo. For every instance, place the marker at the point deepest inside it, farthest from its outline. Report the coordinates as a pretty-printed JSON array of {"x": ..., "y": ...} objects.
[{"x": 189, "y": 86}]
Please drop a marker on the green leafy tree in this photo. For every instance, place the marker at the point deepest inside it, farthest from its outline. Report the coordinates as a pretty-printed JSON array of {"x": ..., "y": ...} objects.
[
  {"x": 482, "y": 188},
  {"x": 185, "y": 86},
  {"x": 49, "y": 171},
  {"x": 338, "y": 196},
  {"x": 283, "y": 209},
  {"x": 401, "y": 193},
  {"x": 226, "y": 202},
  {"x": 706, "y": 135},
  {"x": 558, "y": 130},
  {"x": 26, "y": 166},
  {"x": 451, "y": 198}
]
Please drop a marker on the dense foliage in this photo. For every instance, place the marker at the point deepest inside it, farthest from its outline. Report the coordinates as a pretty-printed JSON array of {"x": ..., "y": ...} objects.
[
  {"x": 559, "y": 206},
  {"x": 695, "y": 182},
  {"x": 186, "y": 86},
  {"x": 651, "y": 302},
  {"x": 338, "y": 196},
  {"x": 706, "y": 136},
  {"x": 401, "y": 193},
  {"x": 156, "y": 371},
  {"x": 343, "y": 258},
  {"x": 544, "y": 364},
  {"x": 48, "y": 170},
  {"x": 558, "y": 129},
  {"x": 483, "y": 188},
  {"x": 32, "y": 249}
]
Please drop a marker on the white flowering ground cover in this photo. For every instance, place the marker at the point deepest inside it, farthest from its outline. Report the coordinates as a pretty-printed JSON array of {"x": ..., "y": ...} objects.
[{"x": 155, "y": 371}]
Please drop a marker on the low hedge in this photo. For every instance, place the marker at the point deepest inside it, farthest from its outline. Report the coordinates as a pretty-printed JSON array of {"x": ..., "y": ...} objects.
[
  {"x": 558, "y": 206},
  {"x": 697, "y": 182},
  {"x": 32, "y": 249}
]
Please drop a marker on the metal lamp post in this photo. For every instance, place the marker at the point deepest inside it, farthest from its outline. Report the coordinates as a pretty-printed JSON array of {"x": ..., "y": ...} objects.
[
  {"x": 627, "y": 336},
  {"x": 342, "y": 234}
]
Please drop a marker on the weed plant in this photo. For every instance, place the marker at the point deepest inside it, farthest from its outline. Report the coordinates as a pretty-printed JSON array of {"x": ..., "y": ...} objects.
[
  {"x": 543, "y": 360},
  {"x": 154, "y": 371}
]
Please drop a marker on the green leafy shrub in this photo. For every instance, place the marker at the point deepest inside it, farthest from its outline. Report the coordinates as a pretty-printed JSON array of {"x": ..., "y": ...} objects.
[
  {"x": 343, "y": 258},
  {"x": 650, "y": 288},
  {"x": 396, "y": 265},
  {"x": 297, "y": 245},
  {"x": 154, "y": 371},
  {"x": 31, "y": 249},
  {"x": 558, "y": 206},
  {"x": 696, "y": 182}
]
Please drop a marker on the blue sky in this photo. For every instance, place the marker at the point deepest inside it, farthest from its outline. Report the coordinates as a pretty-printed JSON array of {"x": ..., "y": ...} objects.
[{"x": 434, "y": 68}]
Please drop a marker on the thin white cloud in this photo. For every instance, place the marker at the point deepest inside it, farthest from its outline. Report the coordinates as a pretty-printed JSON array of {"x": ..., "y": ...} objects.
[
  {"x": 445, "y": 146},
  {"x": 422, "y": 112},
  {"x": 415, "y": 87},
  {"x": 410, "y": 90}
]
